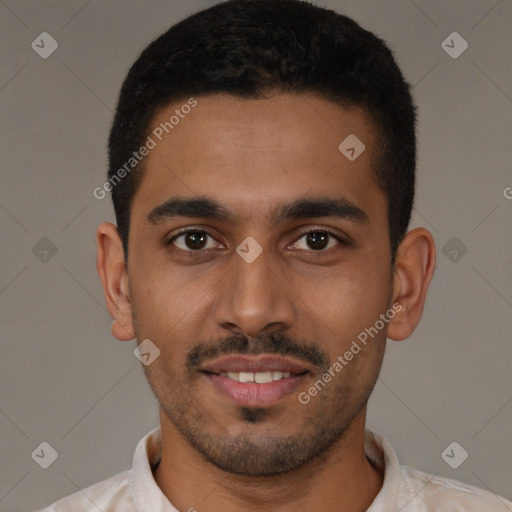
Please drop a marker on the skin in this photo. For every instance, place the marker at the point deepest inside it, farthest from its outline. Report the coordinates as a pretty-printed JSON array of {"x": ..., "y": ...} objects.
[{"x": 252, "y": 156}]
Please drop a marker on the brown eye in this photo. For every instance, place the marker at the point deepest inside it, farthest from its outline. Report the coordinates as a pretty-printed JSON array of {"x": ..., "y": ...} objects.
[
  {"x": 192, "y": 241},
  {"x": 317, "y": 240}
]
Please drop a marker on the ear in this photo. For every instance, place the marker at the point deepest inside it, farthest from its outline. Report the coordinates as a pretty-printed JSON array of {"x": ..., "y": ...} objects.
[
  {"x": 114, "y": 278},
  {"x": 413, "y": 270}
]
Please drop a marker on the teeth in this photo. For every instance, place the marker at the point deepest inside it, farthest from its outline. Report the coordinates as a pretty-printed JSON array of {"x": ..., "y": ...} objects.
[
  {"x": 262, "y": 377},
  {"x": 246, "y": 377},
  {"x": 258, "y": 377}
]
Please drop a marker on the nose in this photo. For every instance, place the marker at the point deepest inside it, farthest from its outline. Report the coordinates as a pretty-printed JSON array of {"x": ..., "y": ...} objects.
[{"x": 254, "y": 299}]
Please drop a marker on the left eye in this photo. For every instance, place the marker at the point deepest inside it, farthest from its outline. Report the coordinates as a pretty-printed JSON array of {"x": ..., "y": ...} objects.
[{"x": 316, "y": 240}]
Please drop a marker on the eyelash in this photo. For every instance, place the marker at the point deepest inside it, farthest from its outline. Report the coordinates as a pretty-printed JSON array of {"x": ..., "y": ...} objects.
[{"x": 314, "y": 230}]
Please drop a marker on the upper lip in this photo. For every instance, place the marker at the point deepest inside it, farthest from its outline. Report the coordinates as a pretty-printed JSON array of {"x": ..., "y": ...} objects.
[{"x": 261, "y": 363}]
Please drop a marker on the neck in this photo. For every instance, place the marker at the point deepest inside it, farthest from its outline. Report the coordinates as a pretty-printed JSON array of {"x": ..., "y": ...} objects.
[{"x": 340, "y": 480}]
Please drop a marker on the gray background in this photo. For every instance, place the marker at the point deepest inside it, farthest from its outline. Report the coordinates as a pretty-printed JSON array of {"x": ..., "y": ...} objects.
[{"x": 66, "y": 381}]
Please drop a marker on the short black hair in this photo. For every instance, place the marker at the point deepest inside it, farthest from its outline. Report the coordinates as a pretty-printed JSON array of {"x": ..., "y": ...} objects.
[{"x": 248, "y": 48}]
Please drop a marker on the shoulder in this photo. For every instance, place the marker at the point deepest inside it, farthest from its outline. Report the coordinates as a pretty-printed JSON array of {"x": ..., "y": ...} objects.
[
  {"x": 423, "y": 492},
  {"x": 107, "y": 496}
]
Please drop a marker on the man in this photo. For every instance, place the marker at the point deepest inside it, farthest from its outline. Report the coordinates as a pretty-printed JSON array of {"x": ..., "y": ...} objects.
[{"x": 262, "y": 169}]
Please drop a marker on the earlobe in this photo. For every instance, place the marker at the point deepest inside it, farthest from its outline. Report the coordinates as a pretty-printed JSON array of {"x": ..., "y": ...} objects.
[
  {"x": 414, "y": 267},
  {"x": 111, "y": 267}
]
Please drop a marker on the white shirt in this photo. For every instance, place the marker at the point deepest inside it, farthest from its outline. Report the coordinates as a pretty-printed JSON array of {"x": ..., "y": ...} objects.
[{"x": 404, "y": 489}]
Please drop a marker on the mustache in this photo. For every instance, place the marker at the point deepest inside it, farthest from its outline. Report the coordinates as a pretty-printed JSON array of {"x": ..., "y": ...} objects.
[{"x": 278, "y": 344}]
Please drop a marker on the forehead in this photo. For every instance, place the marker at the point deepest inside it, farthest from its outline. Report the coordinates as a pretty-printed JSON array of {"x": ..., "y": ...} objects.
[{"x": 248, "y": 153}]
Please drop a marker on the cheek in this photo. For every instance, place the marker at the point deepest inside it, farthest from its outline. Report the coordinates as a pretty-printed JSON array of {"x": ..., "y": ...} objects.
[
  {"x": 160, "y": 294},
  {"x": 169, "y": 308},
  {"x": 348, "y": 300}
]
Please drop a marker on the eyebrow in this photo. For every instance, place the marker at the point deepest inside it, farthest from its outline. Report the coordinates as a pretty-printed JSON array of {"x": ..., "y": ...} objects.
[{"x": 208, "y": 208}]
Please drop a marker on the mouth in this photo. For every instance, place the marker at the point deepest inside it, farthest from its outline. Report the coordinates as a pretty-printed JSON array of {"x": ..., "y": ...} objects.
[
  {"x": 255, "y": 381},
  {"x": 258, "y": 377}
]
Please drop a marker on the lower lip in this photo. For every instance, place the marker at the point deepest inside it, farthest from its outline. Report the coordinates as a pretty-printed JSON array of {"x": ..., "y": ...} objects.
[{"x": 252, "y": 394}]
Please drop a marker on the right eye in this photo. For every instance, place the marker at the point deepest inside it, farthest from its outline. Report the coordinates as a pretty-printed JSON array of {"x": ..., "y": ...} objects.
[{"x": 192, "y": 241}]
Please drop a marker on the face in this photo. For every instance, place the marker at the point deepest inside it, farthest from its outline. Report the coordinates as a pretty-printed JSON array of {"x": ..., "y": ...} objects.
[{"x": 272, "y": 262}]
